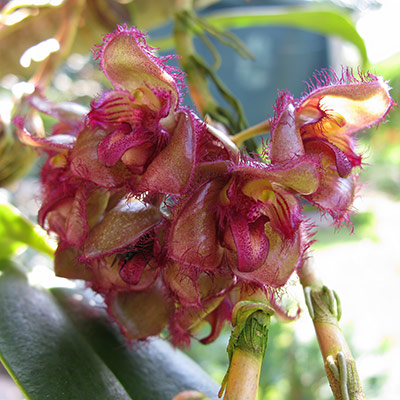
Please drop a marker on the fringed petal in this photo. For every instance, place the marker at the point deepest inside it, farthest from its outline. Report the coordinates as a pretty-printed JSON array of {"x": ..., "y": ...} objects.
[
  {"x": 337, "y": 189},
  {"x": 86, "y": 164},
  {"x": 300, "y": 175},
  {"x": 121, "y": 227},
  {"x": 193, "y": 238},
  {"x": 286, "y": 143},
  {"x": 284, "y": 256},
  {"x": 336, "y": 107},
  {"x": 129, "y": 64},
  {"x": 172, "y": 169}
]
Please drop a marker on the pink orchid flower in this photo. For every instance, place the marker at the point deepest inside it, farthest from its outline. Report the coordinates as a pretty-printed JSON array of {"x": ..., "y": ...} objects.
[
  {"x": 322, "y": 125},
  {"x": 247, "y": 218},
  {"x": 137, "y": 135}
]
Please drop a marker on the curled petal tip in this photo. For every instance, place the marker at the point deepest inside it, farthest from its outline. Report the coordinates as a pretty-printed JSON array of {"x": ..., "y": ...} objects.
[{"x": 129, "y": 63}]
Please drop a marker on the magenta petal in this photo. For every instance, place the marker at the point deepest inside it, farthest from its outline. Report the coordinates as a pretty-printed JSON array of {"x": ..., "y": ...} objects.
[
  {"x": 335, "y": 195},
  {"x": 343, "y": 164},
  {"x": 251, "y": 242},
  {"x": 284, "y": 257},
  {"x": 171, "y": 170},
  {"x": 31, "y": 138},
  {"x": 76, "y": 224},
  {"x": 114, "y": 145},
  {"x": 131, "y": 271},
  {"x": 193, "y": 238},
  {"x": 217, "y": 320},
  {"x": 73, "y": 114},
  {"x": 85, "y": 162}
]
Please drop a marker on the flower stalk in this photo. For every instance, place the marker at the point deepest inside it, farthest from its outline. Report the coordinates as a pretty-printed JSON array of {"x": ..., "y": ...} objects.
[
  {"x": 251, "y": 132},
  {"x": 247, "y": 346},
  {"x": 324, "y": 308}
]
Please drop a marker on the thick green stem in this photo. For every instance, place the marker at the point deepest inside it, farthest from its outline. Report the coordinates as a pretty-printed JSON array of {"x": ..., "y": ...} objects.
[
  {"x": 324, "y": 307},
  {"x": 245, "y": 367},
  {"x": 247, "y": 346}
]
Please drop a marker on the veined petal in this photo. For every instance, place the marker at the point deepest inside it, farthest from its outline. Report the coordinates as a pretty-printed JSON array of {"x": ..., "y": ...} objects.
[
  {"x": 129, "y": 64},
  {"x": 193, "y": 238},
  {"x": 336, "y": 106},
  {"x": 250, "y": 242},
  {"x": 284, "y": 257},
  {"x": 85, "y": 162},
  {"x": 171, "y": 170},
  {"x": 284, "y": 214},
  {"x": 286, "y": 143},
  {"x": 114, "y": 108},
  {"x": 122, "y": 226},
  {"x": 300, "y": 175}
]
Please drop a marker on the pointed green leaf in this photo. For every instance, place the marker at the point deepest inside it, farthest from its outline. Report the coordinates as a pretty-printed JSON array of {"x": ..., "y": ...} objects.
[
  {"x": 326, "y": 22},
  {"x": 57, "y": 345}
]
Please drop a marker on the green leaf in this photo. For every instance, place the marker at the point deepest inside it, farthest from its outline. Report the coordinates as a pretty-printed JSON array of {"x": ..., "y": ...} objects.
[
  {"x": 57, "y": 345},
  {"x": 16, "y": 231},
  {"x": 326, "y": 22}
]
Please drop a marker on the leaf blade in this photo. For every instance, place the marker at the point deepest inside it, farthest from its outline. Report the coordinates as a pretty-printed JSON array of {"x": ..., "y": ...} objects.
[
  {"x": 80, "y": 354},
  {"x": 323, "y": 21},
  {"x": 16, "y": 231},
  {"x": 38, "y": 346}
]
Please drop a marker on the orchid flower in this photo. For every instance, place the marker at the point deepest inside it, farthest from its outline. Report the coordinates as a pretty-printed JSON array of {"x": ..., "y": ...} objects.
[
  {"x": 137, "y": 134},
  {"x": 247, "y": 218},
  {"x": 322, "y": 125}
]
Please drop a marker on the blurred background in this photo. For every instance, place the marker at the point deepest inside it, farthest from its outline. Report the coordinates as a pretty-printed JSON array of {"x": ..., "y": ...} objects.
[{"x": 363, "y": 267}]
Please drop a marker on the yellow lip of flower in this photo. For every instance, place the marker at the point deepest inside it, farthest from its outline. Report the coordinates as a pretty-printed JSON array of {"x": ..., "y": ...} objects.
[
  {"x": 259, "y": 190},
  {"x": 59, "y": 160}
]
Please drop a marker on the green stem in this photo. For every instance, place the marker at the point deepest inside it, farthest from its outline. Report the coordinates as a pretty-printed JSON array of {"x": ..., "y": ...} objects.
[
  {"x": 251, "y": 132},
  {"x": 324, "y": 307},
  {"x": 197, "y": 80},
  {"x": 247, "y": 346}
]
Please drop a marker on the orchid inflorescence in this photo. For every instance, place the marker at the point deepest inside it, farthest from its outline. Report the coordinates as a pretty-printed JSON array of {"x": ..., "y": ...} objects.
[{"x": 162, "y": 214}]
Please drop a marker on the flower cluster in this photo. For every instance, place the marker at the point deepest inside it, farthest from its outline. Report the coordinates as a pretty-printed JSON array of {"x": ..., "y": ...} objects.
[{"x": 160, "y": 213}]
